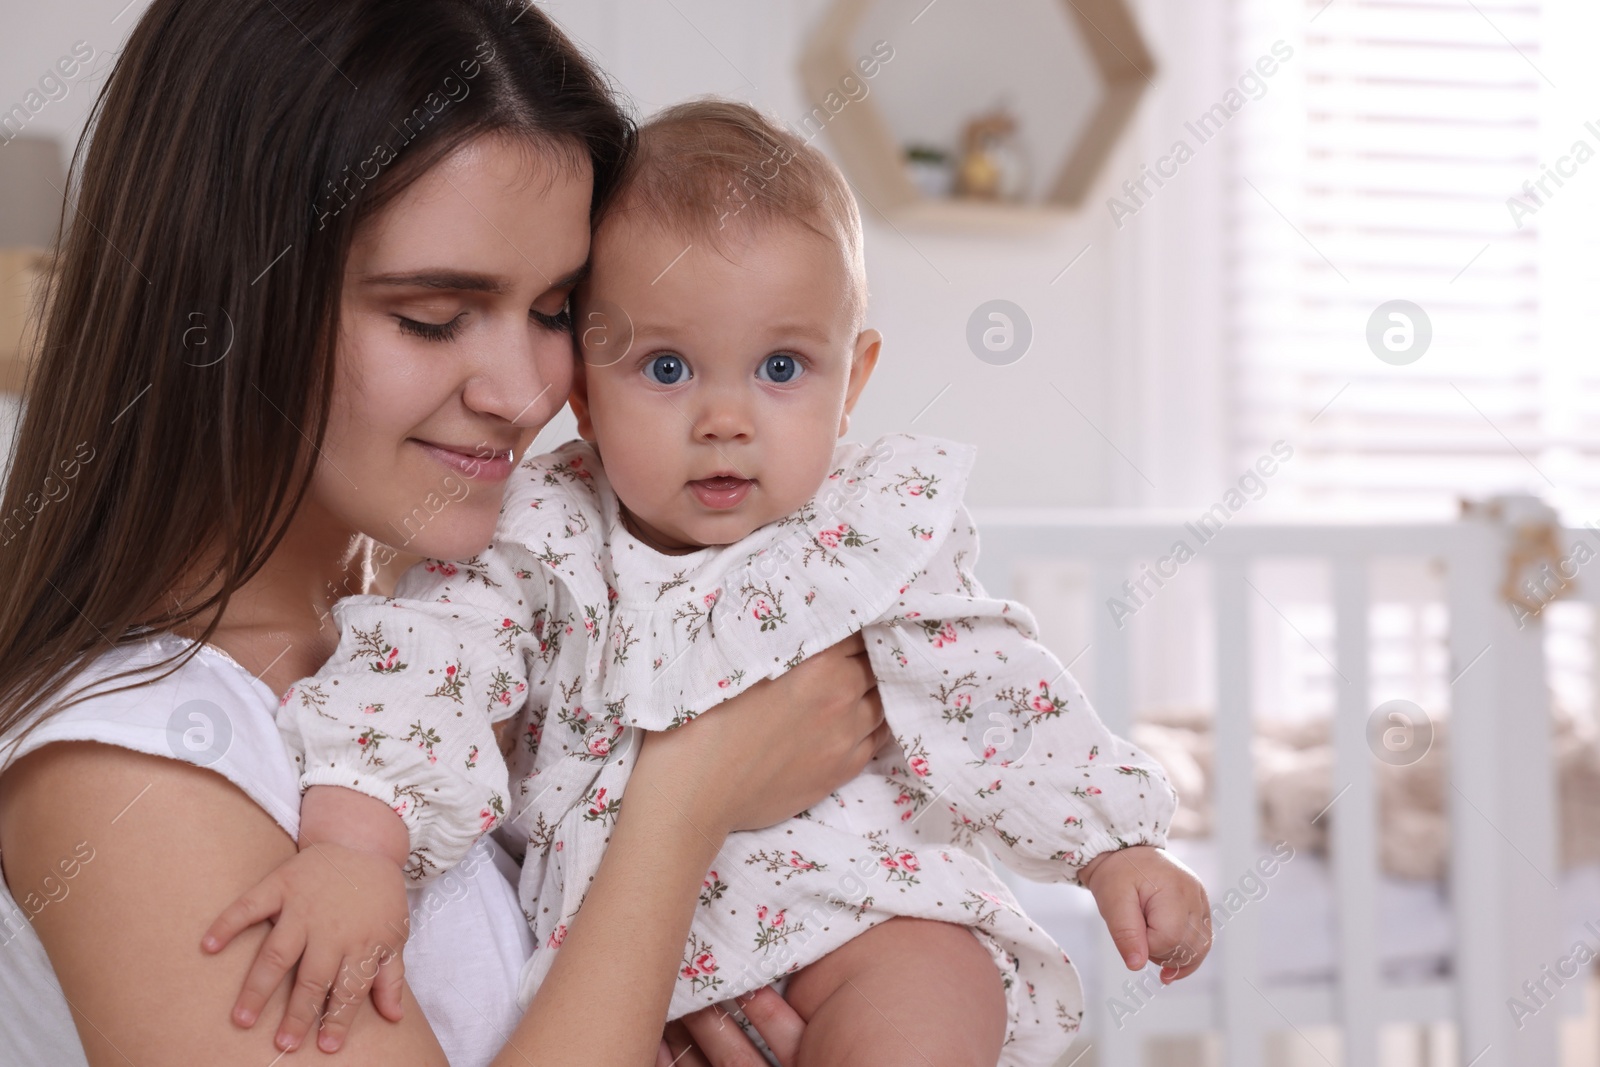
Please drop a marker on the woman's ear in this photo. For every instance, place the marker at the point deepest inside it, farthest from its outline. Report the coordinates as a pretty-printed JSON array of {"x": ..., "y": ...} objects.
[
  {"x": 868, "y": 342},
  {"x": 578, "y": 397}
]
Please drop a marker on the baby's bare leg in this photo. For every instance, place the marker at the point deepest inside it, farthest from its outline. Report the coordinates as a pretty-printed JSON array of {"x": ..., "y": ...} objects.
[{"x": 912, "y": 992}]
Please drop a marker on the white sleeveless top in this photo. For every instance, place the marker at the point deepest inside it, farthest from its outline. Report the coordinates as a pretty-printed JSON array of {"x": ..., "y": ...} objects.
[{"x": 468, "y": 939}]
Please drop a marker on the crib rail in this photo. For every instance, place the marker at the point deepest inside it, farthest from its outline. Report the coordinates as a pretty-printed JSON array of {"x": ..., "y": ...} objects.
[{"x": 1502, "y": 799}]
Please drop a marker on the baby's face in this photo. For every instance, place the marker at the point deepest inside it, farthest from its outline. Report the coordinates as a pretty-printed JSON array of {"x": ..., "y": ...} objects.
[{"x": 720, "y": 412}]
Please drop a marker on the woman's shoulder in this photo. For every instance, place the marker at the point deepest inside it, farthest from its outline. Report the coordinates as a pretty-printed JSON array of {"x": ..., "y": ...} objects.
[{"x": 208, "y": 711}]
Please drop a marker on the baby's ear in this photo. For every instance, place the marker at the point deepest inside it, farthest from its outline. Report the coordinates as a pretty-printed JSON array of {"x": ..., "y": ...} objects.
[
  {"x": 578, "y": 397},
  {"x": 863, "y": 360}
]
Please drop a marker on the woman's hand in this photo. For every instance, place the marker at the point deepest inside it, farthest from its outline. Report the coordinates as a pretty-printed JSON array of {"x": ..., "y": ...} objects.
[
  {"x": 777, "y": 748},
  {"x": 342, "y": 914},
  {"x": 709, "y": 1038},
  {"x": 787, "y": 744}
]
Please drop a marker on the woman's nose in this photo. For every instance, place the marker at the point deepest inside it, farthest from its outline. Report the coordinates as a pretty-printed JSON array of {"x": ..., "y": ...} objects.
[{"x": 522, "y": 377}]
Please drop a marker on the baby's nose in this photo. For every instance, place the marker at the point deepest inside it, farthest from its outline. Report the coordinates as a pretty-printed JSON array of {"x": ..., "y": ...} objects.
[{"x": 725, "y": 418}]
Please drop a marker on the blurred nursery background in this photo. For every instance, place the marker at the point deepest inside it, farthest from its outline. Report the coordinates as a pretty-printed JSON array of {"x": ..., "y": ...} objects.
[{"x": 1274, "y": 324}]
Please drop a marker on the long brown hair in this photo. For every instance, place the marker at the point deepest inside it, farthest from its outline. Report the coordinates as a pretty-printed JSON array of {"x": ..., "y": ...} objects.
[{"x": 228, "y": 161}]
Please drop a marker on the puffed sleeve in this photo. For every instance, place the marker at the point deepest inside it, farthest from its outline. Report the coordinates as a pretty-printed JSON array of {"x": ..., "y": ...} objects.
[
  {"x": 404, "y": 709},
  {"x": 996, "y": 731}
]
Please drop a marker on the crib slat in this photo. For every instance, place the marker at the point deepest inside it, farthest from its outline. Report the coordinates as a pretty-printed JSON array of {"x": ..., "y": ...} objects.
[
  {"x": 1245, "y": 1013},
  {"x": 1112, "y": 701},
  {"x": 1116, "y": 1046},
  {"x": 1352, "y": 822},
  {"x": 1475, "y": 853},
  {"x": 1503, "y": 859}
]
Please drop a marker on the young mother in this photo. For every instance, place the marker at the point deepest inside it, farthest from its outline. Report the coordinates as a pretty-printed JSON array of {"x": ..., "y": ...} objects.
[{"x": 320, "y": 249}]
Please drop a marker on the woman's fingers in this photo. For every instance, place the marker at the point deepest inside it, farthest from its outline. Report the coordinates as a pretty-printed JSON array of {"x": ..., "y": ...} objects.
[
  {"x": 677, "y": 1048},
  {"x": 845, "y": 665},
  {"x": 863, "y": 678},
  {"x": 867, "y": 749},
  {"x": 779, "y": 1025},
  {"x": 725, "y": 1044},
  {"x": 854, "y": 645},
  {"x": 720, "y": 1039}
]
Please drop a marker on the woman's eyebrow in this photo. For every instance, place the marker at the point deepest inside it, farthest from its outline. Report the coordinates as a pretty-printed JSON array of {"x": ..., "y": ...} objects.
[{"x": 463, "y": 281}]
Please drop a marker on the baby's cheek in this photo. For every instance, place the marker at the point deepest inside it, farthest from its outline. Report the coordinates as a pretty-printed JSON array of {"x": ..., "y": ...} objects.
[{"x": 796, "y": 468}]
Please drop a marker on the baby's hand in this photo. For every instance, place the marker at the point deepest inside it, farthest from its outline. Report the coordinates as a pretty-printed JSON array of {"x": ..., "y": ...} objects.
[
  {"x": 1154, "y": 907},
  {"x": 343, "y": 914}
]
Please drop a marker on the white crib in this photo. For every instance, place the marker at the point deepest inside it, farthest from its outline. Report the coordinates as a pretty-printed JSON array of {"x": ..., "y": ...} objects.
[{"x": 1502, "y": 802}]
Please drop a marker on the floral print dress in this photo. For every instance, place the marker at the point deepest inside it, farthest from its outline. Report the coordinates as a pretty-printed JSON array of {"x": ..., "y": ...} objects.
[{"x": 584, "y": 635}]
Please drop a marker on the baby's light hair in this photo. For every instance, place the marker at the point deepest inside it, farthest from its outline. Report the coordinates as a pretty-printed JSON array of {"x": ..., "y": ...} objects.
[{"x": 703, "y": 167}]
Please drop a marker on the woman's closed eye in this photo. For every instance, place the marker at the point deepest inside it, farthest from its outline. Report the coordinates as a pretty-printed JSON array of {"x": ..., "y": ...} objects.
[
  {"x": 432, "y": 331},
  {"x": 560, "y": 322}
]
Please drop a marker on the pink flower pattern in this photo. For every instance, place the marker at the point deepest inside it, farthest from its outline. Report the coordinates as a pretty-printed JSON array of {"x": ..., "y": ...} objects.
[{"x": 894, "y": 560}]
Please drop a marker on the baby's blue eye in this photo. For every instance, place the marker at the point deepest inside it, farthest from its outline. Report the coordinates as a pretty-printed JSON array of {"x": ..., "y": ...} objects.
[
  {"x": 667, "y": 370},
  {"x": 780, "y": 368}
]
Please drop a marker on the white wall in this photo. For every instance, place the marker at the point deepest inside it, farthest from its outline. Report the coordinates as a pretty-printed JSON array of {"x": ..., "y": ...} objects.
[
  {"x": 1127, "y": 334},
  {"x": 1033, "y": 448},
  {"x": 36, "y": 36}
]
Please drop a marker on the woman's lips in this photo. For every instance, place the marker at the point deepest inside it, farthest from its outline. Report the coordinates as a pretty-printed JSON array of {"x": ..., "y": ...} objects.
[
  {"x": 494, "y": 467},
  {"x": 721, "y": 493}
]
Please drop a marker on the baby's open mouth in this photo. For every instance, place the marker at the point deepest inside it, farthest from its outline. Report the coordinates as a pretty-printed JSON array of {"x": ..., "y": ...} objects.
[{"x": 721, "y": 492}]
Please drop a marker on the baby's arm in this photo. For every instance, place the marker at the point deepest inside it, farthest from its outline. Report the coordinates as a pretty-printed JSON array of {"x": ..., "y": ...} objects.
[
  {"x": 339, "y": 909},
  {"x": 399, "y": 721},
  {"x": 1020, "y": 756},
  {"x": 405, "y": 709},
  {"x": 1024, "y": 764}
]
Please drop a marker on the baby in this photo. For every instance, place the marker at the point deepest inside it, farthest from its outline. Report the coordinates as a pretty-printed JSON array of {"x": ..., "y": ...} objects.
[{"x": 709, "y": 531}]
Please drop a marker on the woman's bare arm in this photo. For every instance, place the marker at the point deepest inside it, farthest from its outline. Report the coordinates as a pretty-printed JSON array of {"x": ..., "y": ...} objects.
[{"x": 173, "y": 844}]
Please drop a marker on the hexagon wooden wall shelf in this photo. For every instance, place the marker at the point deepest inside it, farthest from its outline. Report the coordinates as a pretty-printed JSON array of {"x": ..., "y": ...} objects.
[{"x": 871, "y": 156}]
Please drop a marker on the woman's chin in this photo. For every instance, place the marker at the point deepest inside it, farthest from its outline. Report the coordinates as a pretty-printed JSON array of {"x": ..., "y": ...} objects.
[{"x": 447, "y": 537}]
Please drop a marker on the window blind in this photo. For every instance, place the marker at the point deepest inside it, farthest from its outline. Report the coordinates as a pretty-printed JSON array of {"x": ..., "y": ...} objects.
[
  {"x": 1420, "y": 151},
  {"x": 1447, "y": 153}
]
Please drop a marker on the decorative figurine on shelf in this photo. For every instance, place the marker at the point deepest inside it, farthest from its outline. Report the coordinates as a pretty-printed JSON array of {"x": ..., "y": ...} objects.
[
  {"x": 930, "y": 170},
  {"x": 993, "y": 164}
]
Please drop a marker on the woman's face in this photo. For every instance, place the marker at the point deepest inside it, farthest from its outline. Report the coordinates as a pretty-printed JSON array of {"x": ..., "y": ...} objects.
[{"x": 454, "y": 346}]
